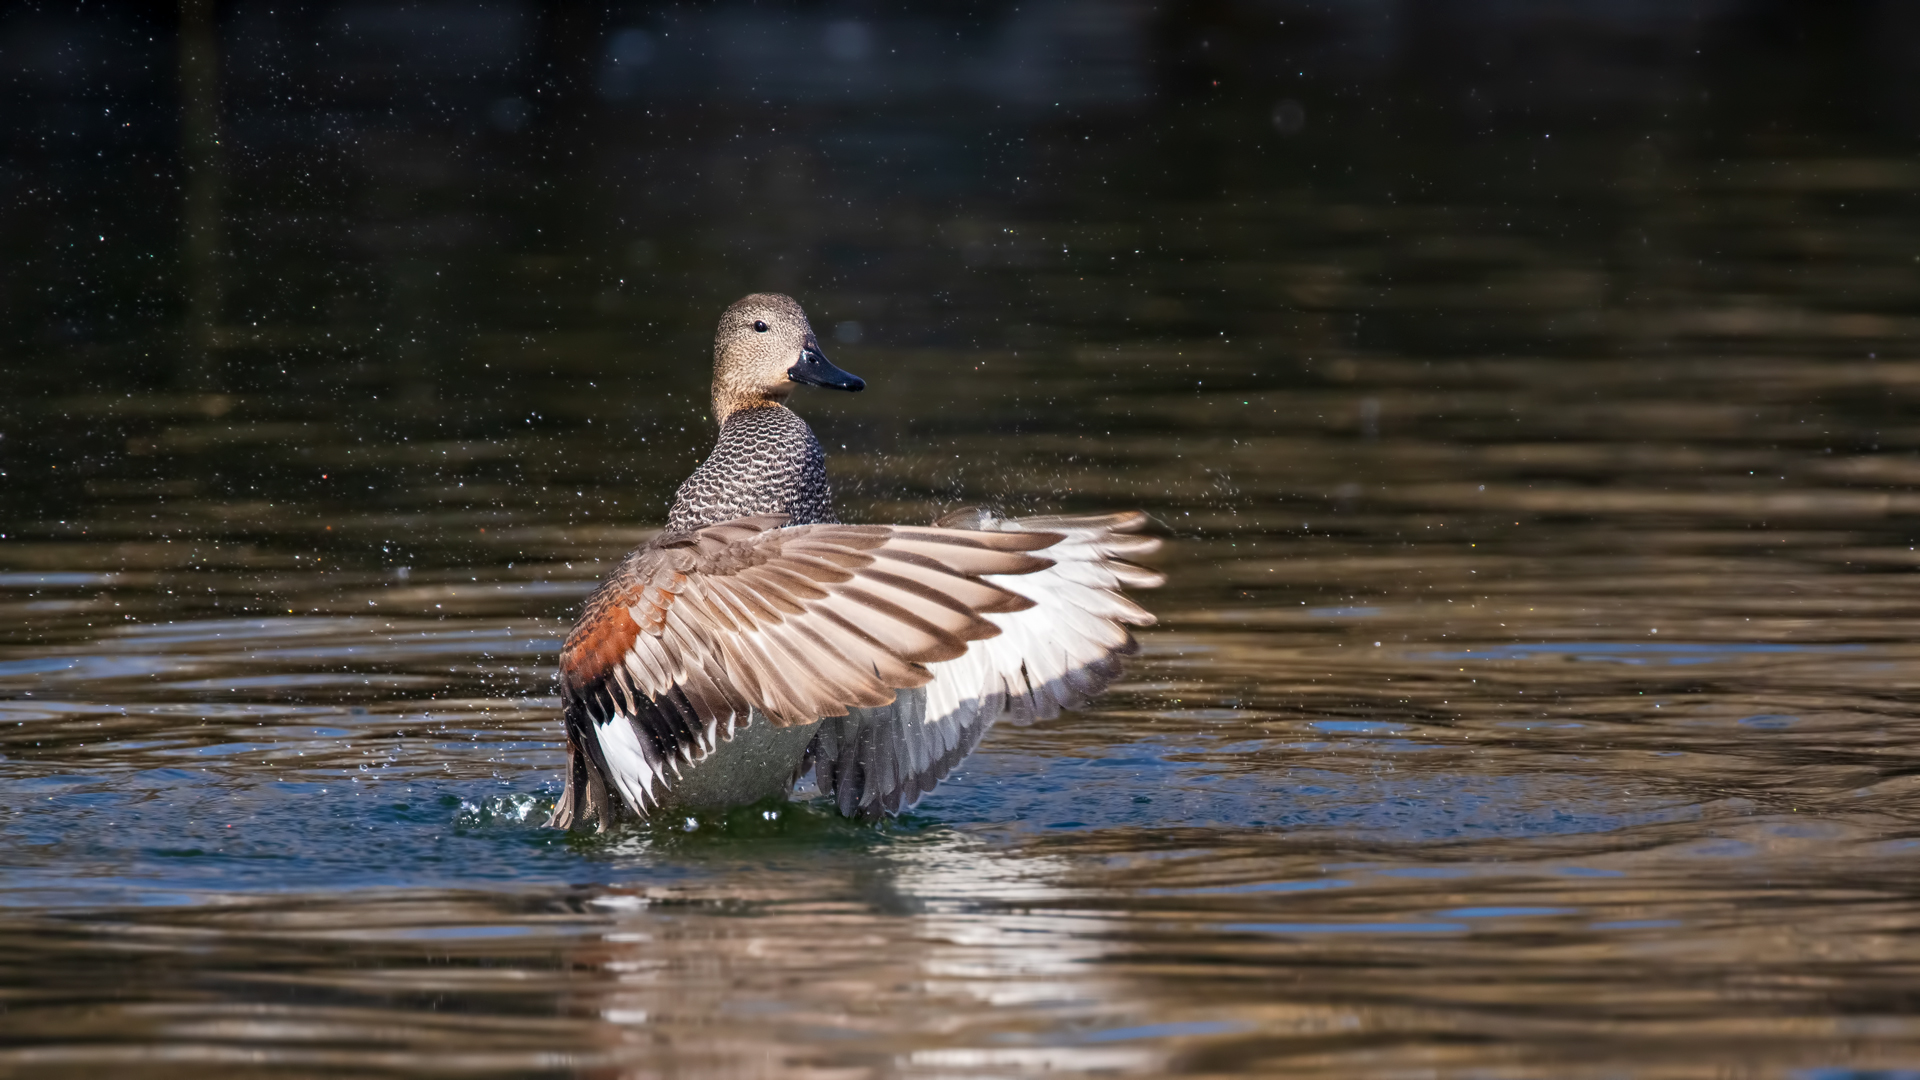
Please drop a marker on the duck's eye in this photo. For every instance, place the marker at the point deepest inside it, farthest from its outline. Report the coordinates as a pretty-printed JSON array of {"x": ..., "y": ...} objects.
[{"x": 759, "y": 327}]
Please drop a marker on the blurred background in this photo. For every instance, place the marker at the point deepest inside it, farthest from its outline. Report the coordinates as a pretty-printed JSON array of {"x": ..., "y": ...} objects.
[
  {"x": 1526, "y": 390},
  {"x": 413, "y": 207}
]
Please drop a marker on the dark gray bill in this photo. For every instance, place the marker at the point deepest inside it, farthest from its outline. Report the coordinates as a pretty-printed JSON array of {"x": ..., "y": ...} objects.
[{"x": 815, "y": 370}]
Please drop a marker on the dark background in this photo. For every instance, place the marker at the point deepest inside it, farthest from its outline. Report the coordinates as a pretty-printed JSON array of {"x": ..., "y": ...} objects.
[
  {"x": 459, "y": 219},
  {"x": 403, "y": 172}
]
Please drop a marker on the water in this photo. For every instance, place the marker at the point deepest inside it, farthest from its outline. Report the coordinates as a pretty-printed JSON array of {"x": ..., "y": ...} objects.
[{"x": 1531, "y": 694}]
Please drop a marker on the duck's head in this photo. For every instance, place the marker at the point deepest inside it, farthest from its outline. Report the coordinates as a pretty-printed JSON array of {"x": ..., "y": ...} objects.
[{"x": 764, "y": 346}]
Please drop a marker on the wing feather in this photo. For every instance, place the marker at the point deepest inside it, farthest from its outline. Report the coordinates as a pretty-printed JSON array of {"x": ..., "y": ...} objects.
[
  {"x": 696, "y": 631},
  {"x": 1056, "y": 649}
]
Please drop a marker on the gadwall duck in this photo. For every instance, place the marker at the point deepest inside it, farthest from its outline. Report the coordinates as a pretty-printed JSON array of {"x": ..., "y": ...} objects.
[{"x": 758, "y": 639}]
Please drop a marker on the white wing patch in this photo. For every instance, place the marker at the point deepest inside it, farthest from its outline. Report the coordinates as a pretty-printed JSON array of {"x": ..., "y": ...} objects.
[
  {"x": 1052, "y": 656},
  {"x": 632, "y": 767},
  {"x": 1059, "y": 652}
]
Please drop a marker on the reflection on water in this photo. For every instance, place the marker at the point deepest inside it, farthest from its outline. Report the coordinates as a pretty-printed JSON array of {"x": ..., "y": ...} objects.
[{"x": 1530, "y": 688}]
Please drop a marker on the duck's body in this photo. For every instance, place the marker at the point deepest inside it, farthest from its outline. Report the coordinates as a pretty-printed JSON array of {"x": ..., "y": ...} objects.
[{"x": 757, "y": 639}]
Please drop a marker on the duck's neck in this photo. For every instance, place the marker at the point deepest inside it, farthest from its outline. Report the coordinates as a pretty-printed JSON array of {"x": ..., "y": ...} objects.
[
  {"x": 729, "y": 399},
  {"x": 766, "y": 462}
]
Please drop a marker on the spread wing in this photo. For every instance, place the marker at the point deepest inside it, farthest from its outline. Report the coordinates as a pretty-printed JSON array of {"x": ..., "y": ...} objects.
[
  {"x": 697, "y": 629},
  {"x": 1056, "y": 653}
]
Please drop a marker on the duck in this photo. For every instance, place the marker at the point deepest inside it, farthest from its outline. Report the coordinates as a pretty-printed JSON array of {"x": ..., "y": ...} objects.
[{"x": 757, "y": 640}]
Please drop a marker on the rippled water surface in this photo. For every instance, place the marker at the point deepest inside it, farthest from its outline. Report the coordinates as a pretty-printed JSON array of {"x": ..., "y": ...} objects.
[{"x": 1533, "y": 693}]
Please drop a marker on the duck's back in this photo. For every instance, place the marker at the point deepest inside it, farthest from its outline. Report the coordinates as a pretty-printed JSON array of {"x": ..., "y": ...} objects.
[{"x": 766, "y": 461}]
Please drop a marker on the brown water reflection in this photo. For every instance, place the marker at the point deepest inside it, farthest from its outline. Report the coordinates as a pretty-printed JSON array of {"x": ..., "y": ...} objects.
[{"x": 1567, "y": 741}]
